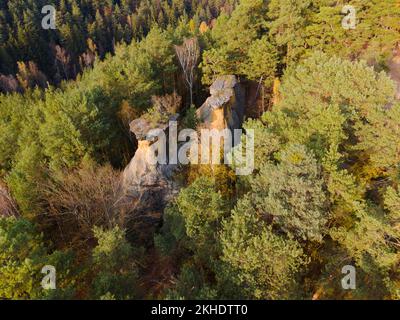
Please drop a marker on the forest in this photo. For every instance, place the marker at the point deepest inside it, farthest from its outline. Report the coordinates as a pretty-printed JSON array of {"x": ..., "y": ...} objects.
[{"x": 323, "y": 101}]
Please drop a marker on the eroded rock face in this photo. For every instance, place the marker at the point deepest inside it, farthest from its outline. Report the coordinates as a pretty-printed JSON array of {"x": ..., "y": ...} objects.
[
  {"x": 226, "y": 106},
  {"x": 147, "y": 185}
]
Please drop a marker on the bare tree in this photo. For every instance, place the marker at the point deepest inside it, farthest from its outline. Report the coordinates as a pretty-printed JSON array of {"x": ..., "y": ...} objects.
[
  {"x": 63, "y": 58},
  {"x": 9, "y": 84},
  {"x": 8, "y": 207},
  {"x": 78, "y": 200},
  {"x": 188, "y": 54},
  {"x": 30, "y": 76},
  {"x": 167, "y": 104},
  {"x": 87, "y": 59}
]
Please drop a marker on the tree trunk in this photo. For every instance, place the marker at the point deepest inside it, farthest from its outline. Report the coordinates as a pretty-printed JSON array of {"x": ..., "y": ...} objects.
[{"x": 191, "y": 95}]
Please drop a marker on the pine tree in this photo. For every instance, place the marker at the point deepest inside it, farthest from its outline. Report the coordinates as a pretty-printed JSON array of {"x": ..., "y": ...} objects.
[{"x": 256, "y": 263}]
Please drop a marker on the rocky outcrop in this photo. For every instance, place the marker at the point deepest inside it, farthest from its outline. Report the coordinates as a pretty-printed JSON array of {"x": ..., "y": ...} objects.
[
  {"x": 225, "y": 108},
  {"x": 150, "y": 187},
  {"x": 146, "y": 185}
]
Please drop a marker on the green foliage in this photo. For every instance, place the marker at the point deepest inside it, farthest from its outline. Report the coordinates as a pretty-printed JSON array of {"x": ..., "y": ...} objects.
[
  {"x": 25, "y": 178},
  {"x": 139, "y": 70},
  {"x": 288, "y": 21},
  {"x": 324, "y": 102},
  {"x": 23, "y": 254},
  {"x": 392, "y": 205},
  {"x": 190, "y": 121},
  {"x": 155, "y": 117},
  {"x": 258, "y": 264},
  {"x": 238, "y": 46},
  {"x": 13, "y": 116},
  {"x": 323, "y": 157},
  {"x": 191, "y": 285},
  {"x": 115, "y": 266},
  {"x": 266, "y": 143},
  {"x": 369, "y": 40},
  {"x": 194, "y": 219},
  {"x": 173, "y": 231},
  {"x": 383, "y": 126},
  {"x": 291, "y": 194},
  {"x": 75, "y": 126},
  {"x": 190, "y": 231},
  {"x": 300, "y": 27},
  {"x": 201, "y": 207},
  {"x": 88, "y": 30},
  {"x": 339, "y": 109},
  {"x": 261, "y": 62}
]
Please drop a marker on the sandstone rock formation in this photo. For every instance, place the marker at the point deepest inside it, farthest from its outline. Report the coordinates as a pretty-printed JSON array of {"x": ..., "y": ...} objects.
[
  {"x": 149, "y": 187},
  {"x": 226, "y": 106}
]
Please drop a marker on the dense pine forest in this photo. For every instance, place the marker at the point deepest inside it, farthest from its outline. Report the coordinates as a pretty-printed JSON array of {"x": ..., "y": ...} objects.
[{"x": 322, "y": 97}]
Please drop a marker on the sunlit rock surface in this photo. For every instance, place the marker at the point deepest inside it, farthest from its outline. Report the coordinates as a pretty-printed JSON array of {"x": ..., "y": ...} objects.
[
  {"x": 225, "y": 108},
  {"x": 146, "y": 184}
]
